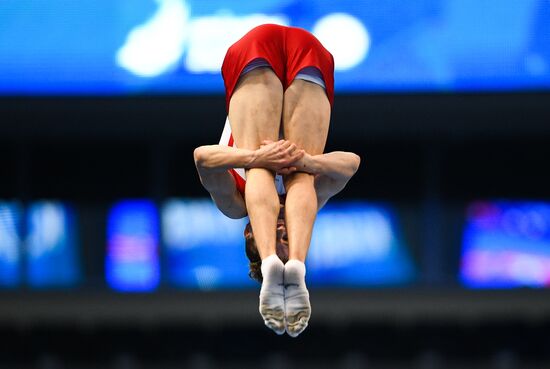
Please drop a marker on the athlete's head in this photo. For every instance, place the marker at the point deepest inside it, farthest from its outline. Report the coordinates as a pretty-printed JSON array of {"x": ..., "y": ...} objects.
[{"x": 252, "y": 253}]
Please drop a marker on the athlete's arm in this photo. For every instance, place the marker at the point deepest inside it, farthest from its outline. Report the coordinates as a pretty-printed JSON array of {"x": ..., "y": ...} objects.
[
  {"x": 332, "y": 172},
  {"x": 213, "y": 162},
  {"x": 273, "y": 156},
  {"x": 222, "y": 188}
]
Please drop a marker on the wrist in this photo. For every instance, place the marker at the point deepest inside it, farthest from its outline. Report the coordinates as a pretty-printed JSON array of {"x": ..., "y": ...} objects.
[
  {"x": 252, "y": 159},
  {"x": 309, "y": 164},
  {"x": 315, "y": 164}
]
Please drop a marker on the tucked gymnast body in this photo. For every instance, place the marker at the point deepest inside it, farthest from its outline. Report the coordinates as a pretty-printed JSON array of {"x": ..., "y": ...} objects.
[{"x": 279, "y": 83}]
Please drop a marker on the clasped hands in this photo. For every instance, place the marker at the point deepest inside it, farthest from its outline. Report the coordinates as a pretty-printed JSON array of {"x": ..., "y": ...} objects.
[{"x": 282, "y": 156}]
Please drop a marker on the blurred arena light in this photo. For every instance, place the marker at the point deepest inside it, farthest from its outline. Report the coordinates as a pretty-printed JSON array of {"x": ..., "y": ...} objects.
[
  {"x": 204, "y": 249},
  {"x": 211, "y": 36},
  {"x": 354, "y": 244},
  {"x": 157, "y": 45},
  {"x": 52, "y": 248},
  {"x": 132, "y": 261},
  {"x": 506, "y": 244},
  {"x": 349, "y": 44},
  {"x": 10, "y": 243},
  {"x": 358, "y": 244}
]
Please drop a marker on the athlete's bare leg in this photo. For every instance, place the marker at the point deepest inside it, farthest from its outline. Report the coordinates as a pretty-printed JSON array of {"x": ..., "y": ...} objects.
[
  {"x": 306, "y": 117},
  {"x": 255, "y": 115}
]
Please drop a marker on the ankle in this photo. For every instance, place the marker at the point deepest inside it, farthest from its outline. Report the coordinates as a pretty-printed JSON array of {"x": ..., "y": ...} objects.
[
  {"x": 272, "y": 269},
  {"x": 295, "y": 272}
]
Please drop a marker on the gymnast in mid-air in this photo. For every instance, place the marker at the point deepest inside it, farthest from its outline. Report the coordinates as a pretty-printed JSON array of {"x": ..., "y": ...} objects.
[{"x": 279, "y": 84}]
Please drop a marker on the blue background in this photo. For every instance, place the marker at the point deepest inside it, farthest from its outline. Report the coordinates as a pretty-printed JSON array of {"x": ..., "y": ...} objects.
[
  {"x": 354, "y": 244},
  {"x": 506, "y": 244},
  {"x": 70, "y": 47}
]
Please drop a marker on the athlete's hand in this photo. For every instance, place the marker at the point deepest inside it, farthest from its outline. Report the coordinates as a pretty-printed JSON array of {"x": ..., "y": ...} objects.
[
  {"x": 276, "y": 155},
  {"x": 302, "y": 164}
]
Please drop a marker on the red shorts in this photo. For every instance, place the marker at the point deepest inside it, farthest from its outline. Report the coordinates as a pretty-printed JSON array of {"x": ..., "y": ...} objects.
[{"x": 287, "y": 49}]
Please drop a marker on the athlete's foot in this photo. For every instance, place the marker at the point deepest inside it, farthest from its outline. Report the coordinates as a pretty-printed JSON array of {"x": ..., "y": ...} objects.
[
  {"x": 297, "y": 306},
  {"x": 272, "y": 294}
]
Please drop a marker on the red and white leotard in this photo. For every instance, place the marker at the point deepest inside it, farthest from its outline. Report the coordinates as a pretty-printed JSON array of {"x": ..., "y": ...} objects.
[{"x": 287, "y": 50}]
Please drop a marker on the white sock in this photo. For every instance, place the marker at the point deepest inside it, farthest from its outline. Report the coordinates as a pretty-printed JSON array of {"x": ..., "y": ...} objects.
[
  {"x": 297, "y": 306},
  {"x": 272, "y": 294}
]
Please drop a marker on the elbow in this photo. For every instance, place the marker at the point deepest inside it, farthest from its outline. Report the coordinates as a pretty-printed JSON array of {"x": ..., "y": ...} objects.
[
  {"x": 355, "y": 163},
  {"x": 199, "y": 156}
]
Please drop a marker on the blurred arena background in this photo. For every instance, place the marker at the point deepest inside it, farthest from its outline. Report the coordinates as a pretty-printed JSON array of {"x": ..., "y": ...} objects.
[{"x": 437, "y": 254}]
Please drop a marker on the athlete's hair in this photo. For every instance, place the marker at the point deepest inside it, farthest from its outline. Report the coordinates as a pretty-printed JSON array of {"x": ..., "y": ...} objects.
[{"x": 251, "y": 249}]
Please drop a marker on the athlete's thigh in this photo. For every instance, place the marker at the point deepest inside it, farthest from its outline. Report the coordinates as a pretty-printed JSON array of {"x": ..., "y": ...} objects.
[
  {"x": 306, "y": 116},
  {"x": 255, "y": 108}
]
